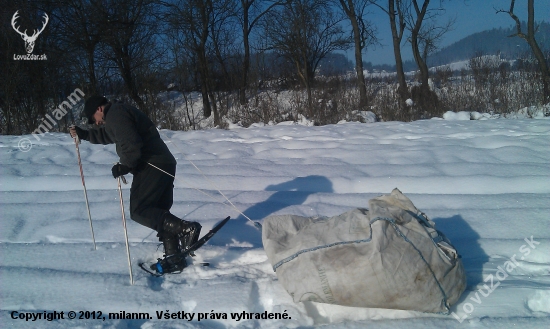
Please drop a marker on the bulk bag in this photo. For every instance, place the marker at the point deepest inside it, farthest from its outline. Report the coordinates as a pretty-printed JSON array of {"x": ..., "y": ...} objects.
[{"x": 389, "y": 256}]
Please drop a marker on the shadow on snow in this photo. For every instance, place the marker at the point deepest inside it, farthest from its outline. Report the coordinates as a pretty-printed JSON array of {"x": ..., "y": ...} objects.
[
  {"x": 466, "y": 241},
  {"x": 291, "y": 193}
]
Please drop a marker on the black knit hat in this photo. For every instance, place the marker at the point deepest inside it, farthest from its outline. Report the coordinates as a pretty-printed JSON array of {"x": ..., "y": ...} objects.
[{"x": 91, "y": 105}]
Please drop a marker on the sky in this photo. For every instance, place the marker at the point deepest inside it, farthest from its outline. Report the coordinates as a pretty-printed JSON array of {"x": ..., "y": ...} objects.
[{"x": 471, "y": 16}]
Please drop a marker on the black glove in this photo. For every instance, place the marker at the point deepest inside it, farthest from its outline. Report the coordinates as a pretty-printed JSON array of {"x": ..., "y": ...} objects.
[
  {"x": 82, "y": 134},
  {"x": 120, "y": 170}
]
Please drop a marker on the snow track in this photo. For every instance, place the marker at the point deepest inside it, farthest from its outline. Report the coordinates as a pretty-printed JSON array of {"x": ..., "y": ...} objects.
[{"x": 486, "y": 185}]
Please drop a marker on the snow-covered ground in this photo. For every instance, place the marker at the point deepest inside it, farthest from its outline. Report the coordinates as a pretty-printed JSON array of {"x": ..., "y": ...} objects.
[{"x": 486, "y": 184}]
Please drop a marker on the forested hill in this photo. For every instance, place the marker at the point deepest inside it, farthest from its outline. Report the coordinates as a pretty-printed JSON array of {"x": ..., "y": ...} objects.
[{"x": 491, "y": 42}]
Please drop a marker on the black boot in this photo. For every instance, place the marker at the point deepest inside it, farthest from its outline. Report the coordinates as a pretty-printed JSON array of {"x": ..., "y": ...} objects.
[
  {"x": 171, "y": 262},
  {"x": 171, "y": 245},
  {"x": 187, "y": 232}
]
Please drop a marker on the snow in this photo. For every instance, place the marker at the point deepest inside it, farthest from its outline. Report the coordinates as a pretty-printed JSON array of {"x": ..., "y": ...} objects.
[
  {"x": 368, "y": 116},
  {"x": 462, "y": 115},
  {"x": 485, "y": 183}
]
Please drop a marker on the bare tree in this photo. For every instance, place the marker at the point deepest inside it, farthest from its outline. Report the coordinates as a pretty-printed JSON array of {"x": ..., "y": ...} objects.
[
  {"x": 191, "y": 21},
  {"x": 304, "y": 32},
  {"x": 430, "y": 36},
  {"x": 416, "y": 17},
  {"x": 80, "y": 32},
  {"x": 424, "y": 36},
  {"x": 396, "y": 9},
  {"x": 364, "y": 34},
  {"x": 225, "y": 48},
  {"x": 250, "y": 13},
  {"x": 222, "y": 35},
  {"x": 530, "y": 38},
  {"x": 130, "y": 40}
]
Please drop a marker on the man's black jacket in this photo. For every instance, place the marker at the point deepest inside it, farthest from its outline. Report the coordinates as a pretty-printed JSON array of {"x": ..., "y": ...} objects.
[{"x": 136, "y": 137}]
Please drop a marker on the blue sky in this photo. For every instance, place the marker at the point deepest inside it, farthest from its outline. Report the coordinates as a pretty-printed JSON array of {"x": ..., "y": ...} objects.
[{"x": 471, "y": 16}]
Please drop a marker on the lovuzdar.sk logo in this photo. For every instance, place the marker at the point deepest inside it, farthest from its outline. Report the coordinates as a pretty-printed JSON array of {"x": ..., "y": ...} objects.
[{"x": 29, "y": 40}]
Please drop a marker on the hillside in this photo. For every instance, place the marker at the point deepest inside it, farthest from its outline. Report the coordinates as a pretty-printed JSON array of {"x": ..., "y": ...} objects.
[{"x": 489, "y": 42}]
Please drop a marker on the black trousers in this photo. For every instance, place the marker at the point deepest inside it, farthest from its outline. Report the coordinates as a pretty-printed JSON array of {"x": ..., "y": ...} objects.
[{"x": 152, "y": 195}]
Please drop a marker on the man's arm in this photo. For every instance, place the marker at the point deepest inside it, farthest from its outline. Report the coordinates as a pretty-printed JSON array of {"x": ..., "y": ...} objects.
[
  {"x": 94, "y": 136},
  {"x": 77, "y": 131},
  {"x": 99, "y": 136}
]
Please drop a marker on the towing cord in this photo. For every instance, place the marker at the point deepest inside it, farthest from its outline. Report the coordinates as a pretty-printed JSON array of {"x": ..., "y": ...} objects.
[{"x": 256, "y": 224}]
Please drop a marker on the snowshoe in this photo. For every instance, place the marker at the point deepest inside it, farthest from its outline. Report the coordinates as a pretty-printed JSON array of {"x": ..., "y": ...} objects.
[
  {"x": 176, "y": 263},
  {"x": 169, "y": 264}
]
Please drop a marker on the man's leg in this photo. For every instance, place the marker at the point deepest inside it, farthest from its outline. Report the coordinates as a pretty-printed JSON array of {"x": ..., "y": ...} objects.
[{"x": 151, "y": 195}]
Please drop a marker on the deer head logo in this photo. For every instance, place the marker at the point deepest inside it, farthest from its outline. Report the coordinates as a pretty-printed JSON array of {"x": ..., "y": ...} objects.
[{"x": 29, "y": 40}]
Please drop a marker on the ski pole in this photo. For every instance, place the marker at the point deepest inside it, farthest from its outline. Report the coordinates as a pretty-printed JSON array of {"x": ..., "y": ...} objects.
[
  {"x": 77, "y": 141},
  {"x": 125, "y": 231}
]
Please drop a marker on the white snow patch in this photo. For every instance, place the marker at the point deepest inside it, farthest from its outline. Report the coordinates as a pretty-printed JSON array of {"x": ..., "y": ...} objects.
[
  {"x": 539, "y": 301},
  {"x": 368, "y": 116},
  {"x": 462, "y": 115}
]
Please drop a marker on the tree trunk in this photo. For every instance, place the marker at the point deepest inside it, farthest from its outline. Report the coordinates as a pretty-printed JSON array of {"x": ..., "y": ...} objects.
[
  {"x": 93, "y": 90},
  {"x": 545, "y": 72},
  {"x": 203, "y": 69},
  {"x": 246, "y": 59},
  {"x": 214, "y": 106},
  {"x": 420, "y": 61},
  {"x": 396, "y": 39},
  {"x": 530, "y": 38},
  {"x": 350, "y": 12},
  {"x": 131, "y": 85},
  {"x": 302, "y": 73}
]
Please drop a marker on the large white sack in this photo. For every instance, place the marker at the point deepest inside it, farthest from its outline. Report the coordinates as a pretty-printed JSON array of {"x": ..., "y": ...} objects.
[{"x": 389, "y": 256}]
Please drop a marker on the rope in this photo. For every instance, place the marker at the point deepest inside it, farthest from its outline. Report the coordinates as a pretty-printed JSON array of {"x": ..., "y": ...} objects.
[{"x": 257, "y": 224}]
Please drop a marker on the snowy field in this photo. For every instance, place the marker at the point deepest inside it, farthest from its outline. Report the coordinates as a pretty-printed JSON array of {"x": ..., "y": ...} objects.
[{"x": 485, "y": 183}]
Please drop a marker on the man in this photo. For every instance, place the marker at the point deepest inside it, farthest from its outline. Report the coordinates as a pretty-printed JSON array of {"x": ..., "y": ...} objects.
[{"x": 138, "y": 144}]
